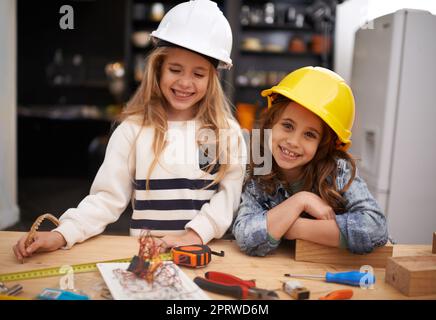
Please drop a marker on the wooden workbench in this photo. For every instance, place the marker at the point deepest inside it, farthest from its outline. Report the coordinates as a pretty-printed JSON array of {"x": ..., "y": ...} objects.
[{"x": 268, "y": 271}]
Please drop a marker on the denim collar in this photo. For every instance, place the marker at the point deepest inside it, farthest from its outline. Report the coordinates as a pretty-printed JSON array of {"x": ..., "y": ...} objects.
[{"x": 286, "y": 192}]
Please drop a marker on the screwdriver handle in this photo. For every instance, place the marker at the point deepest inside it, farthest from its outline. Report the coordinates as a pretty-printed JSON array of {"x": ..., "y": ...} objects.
[
  {"x": 338, "y": 295},
  {"x": 352, "y": 278}
]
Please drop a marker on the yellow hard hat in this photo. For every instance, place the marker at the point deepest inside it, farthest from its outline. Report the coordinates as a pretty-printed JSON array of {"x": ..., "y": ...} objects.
[{"x": 323, "y": 92}]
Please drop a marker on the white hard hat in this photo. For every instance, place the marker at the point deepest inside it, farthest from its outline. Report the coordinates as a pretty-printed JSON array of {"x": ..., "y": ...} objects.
[{"x": 200, "y": 26}]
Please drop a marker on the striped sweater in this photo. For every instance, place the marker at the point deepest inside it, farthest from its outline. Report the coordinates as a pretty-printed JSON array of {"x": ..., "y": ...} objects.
[{"x": 179, "y": 195}]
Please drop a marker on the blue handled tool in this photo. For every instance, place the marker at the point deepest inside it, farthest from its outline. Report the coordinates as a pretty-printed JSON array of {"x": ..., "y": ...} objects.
[
  {"x": 352, "y": 278},
  {"x": 56, "y": 294}
]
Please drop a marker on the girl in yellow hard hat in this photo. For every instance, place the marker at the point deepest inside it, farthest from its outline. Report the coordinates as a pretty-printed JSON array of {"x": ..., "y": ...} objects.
[
  {"x": 312, "y": 191},
  {"x": 155, "y": 159}
]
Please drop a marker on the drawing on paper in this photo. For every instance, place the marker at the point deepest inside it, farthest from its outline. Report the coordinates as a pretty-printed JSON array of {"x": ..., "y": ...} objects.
[{"x": 169, "y": 283}]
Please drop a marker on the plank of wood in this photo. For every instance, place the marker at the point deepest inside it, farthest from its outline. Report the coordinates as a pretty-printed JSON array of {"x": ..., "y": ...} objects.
[
  {"x": 434, "y": 243},
  {"x": 313, "y": 252},
  {"x": 413, "y": 276}
]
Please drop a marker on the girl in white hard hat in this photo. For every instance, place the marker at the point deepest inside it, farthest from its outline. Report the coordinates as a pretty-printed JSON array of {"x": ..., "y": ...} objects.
[
  {"x": 312, "y": 191},
  {"x": 180, "y": 187}
]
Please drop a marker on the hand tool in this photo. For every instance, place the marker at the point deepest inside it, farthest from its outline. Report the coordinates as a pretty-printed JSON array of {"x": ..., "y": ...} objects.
[
  {"x": 12, "y": 291},
  {"x": 35, "y": 226},
  {"x": 230, "y": 285},
  {"x": 194, "y": 256},
  {"x": 57, "y": 294},
  {"x": 3, "y": 288},
  {"x": 352, "y": 278},
  {"x": 56, "y": 271},
  {"x": 296, "y": 290},
  {"x": 338, "y": 295}
]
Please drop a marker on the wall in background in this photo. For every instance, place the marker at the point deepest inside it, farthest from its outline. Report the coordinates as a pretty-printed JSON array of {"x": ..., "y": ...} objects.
[
  {"x": 353, "y": 14},
  {"x": 8, "y": 172}
]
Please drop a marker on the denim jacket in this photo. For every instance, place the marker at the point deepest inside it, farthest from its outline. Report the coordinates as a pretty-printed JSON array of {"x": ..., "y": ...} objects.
[{"x": 362, "y": 226}]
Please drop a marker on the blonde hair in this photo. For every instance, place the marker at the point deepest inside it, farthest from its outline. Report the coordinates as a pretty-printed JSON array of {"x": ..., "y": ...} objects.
[
  {"x": 319, "y": 175},
  {"x": 148, "y": 104}
]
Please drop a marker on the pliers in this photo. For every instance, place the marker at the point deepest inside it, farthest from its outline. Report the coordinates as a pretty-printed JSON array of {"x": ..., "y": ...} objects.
[{"x": 227, "y": 284}]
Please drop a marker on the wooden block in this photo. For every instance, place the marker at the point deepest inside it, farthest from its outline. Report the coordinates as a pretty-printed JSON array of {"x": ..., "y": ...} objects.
[
  {"x": 434, "y": 243},
  {"x": 313, "y": 252},
  {"x": 412, "y": 275}
]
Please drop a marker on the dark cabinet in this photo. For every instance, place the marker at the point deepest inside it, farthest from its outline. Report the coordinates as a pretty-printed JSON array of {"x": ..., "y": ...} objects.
[
  {"x": 63, "y": 92},
  {"x": 67, "y": 66}
]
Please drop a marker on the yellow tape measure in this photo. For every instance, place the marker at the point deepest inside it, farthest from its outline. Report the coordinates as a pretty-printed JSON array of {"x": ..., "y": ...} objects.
[{"x": 56, "y": 271}]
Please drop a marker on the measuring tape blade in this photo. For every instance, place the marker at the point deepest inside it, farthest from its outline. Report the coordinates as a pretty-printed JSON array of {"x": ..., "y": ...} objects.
[{"x": 56, "y": 271}]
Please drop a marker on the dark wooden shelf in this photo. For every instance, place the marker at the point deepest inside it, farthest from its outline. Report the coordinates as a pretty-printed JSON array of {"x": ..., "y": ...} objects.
[
  {"x": 94, "y": 84},
  {"x": 145, "y": 25},
  {"x": 144, "y": 50},
  {"x": 65, "y": 113},
  {"x": 283, "y": 54},
  {"x": 254, "y": 87},
  {"x": 275, "y": 27}
]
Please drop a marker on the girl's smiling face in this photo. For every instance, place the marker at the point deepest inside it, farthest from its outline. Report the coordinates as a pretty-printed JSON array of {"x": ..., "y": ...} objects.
[
  {"x": 183, "y": 81},
  {"x": 295, "y": 139}
]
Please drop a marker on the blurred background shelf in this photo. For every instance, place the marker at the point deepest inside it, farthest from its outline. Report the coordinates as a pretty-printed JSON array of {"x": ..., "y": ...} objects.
[
  {"x": 271, "y": 27},
  {"x": 279, "y": 54},
  {"x": 145, "y": 24},
  {"x": 275, "y": 38}
]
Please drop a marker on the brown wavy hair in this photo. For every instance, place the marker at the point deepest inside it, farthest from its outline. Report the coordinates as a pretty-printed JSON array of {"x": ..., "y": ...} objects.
[
  {"x": 147, "y": 107},
  {"x": 318, "y": 175}
]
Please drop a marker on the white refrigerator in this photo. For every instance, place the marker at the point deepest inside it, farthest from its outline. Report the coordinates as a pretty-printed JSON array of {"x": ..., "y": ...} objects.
[{"x": 394, "y": 134}]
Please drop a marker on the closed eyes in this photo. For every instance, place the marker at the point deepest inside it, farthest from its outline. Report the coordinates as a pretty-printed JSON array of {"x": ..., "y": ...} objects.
[{"x": 196, "y": 74}]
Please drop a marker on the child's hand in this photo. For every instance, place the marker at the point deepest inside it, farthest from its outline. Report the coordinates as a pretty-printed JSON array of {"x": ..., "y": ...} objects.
[
  {"x": 44, "y": 241},
  {"x": 190, "y": 237},
  {"x": 315, "y": 206}
]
